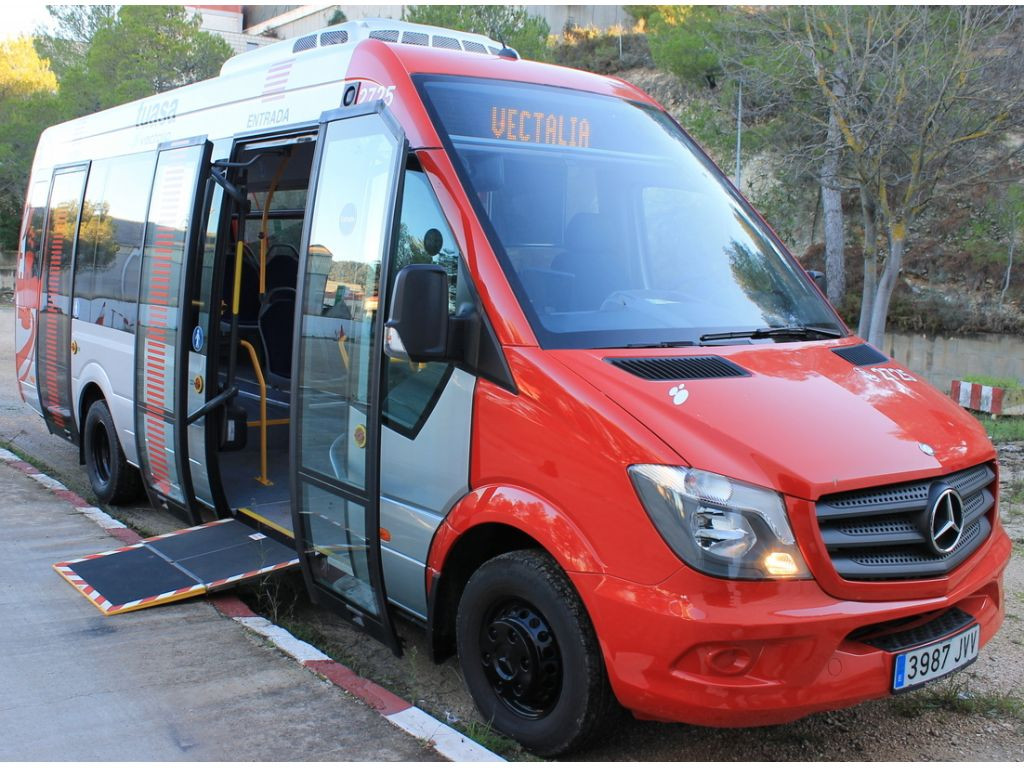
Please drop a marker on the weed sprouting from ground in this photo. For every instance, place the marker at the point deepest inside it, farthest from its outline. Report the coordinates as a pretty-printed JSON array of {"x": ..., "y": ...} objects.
[{"x": 957, "y": 696}]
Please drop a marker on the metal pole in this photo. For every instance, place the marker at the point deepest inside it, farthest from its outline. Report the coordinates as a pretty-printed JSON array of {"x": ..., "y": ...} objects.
[{"x": 739, "y": 130}]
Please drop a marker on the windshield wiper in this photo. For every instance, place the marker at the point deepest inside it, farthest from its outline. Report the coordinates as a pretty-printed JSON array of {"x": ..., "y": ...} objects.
[
  {"x": 656, "y": 345},
  {"x": 781, "y": 331}
]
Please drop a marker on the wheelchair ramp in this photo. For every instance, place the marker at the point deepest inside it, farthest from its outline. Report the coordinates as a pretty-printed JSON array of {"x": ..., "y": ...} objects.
[{"x": 176, "y": 566}]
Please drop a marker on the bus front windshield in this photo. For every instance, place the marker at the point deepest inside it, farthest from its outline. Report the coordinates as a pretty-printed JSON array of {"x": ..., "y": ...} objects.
[{"x": 613, "y": 229}]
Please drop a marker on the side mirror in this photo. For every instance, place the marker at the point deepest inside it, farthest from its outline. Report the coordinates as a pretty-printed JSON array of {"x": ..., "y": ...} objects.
[
  {"x": 819, "y": 280},
  {"x": 417, "y": 328}
]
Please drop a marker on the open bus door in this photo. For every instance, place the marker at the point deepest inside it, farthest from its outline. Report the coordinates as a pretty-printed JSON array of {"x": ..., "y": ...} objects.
[
  {"x": 162, "y": 341},
  {"x": 337, "y": 363}
]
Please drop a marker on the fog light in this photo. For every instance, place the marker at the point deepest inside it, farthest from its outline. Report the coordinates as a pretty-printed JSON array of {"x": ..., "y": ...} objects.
[
  {"x": 781, "y": 564},
  {"x": 730, "y": 660}
]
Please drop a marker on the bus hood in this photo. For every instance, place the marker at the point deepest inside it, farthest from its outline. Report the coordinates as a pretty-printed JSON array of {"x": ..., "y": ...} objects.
[{"x": 796, "y": 417}]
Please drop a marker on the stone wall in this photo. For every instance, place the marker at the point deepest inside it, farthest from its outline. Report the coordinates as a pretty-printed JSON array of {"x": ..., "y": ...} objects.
[{"x": 942, "y": 359}]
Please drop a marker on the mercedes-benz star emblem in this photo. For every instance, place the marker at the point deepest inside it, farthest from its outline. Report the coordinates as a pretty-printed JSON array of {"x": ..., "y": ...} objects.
[{"x": 946, "y": 521}]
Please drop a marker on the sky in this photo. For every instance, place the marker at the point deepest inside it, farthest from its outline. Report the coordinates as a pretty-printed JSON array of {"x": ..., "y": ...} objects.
[{"x": 22, "y": 17}]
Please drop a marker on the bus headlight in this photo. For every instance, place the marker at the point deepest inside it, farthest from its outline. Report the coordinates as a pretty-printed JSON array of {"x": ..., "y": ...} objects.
[{"x": 718, "y": 525}]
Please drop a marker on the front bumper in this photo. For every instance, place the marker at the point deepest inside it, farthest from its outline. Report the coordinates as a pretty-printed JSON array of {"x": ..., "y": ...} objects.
[{"x": 712, "y": 652}]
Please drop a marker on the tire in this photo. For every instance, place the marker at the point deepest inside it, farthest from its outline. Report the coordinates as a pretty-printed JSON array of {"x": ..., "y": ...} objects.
[
  {"x": 529, "y": 654},
  {"x": 113, "y": 479}
]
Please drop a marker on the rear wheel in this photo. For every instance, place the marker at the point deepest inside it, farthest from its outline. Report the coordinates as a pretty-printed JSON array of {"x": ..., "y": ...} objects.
[
  {"x": 113, "y": 479},
  {"x": 529, "y": 654}
]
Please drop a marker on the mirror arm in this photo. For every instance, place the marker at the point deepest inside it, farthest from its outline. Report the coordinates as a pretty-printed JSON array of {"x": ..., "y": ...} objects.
[{"x": 463, "y": 347}]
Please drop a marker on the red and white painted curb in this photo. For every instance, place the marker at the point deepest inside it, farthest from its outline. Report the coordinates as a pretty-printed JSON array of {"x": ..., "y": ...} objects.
[{"x": 443, "y": 738}]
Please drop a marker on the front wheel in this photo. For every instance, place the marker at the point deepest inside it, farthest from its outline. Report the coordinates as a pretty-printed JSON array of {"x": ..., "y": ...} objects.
[
  {"x": 529, "y": 654},
  {"x": 113, "y": 479}
]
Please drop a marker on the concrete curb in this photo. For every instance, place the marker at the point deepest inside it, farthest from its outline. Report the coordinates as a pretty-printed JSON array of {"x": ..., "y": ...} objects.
[{"x": 445, "y": 740}]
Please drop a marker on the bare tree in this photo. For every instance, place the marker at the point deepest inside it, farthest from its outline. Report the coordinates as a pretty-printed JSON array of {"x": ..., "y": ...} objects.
[
  {"x": 768, "y": 51},
  {"x": 909, "y": 100},
  {"x": 933, "y": 95}
]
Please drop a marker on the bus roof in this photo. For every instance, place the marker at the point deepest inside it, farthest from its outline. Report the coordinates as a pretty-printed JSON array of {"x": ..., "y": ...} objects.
[{"x": 294, "y": 82}]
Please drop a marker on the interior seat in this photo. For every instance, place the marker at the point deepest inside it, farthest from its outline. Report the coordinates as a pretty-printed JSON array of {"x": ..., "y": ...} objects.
[
  {"x": 590, "y": 257},
  {"x": 282, "y": 266},
  {"x": 276, "y": 320}
]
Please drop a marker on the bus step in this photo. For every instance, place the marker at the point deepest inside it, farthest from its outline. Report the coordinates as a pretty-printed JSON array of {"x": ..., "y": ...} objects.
[{"x": 176, "y": 566}]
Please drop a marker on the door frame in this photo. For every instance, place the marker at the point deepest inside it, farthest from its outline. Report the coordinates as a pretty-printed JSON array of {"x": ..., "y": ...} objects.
[{"x": 380, "y": 627}]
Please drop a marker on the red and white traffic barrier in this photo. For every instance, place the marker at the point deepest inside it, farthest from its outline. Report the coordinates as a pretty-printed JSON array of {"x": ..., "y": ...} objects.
[{"x": 978, "y": 397}]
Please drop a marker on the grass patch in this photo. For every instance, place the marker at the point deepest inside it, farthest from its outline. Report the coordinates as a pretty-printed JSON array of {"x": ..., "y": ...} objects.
[
  {"x": 488, "y": 738},
  {"x": 956, "y": 696},
  {"x": 992, "y": 381},
  {"x": 1005, "y": 429}
]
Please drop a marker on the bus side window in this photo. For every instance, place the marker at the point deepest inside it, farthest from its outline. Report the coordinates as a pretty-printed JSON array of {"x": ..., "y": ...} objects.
[
  {"x": 33, "y": 240},
  {"x": 110, "y": 240},
  {"x": 423, "y": 238}
]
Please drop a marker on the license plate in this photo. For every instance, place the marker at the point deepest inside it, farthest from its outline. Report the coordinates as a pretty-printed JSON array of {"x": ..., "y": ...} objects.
[{"x": 921, "y": 665}]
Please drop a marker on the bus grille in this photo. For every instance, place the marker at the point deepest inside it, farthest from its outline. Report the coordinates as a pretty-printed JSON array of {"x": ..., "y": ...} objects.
[{"x": 883, "y": 533}]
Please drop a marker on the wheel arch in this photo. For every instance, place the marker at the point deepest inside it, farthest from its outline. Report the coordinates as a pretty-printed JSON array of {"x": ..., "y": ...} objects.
[{"x": 489, "y": 522}]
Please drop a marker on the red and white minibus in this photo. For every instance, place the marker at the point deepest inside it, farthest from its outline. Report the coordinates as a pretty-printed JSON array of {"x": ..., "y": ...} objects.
[{"x": 494, "y": 345}]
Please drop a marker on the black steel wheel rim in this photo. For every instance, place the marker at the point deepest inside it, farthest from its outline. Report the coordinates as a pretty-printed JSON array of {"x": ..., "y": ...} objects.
[
  {"x": 520, "y": 658},
  {"x": 101, "y": 453}
]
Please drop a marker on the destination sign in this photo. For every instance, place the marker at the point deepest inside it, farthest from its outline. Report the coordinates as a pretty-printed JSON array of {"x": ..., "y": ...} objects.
[{"x": 529, "y": 125}]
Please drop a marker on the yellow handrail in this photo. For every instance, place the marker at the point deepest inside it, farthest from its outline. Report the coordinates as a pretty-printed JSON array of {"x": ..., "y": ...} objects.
[
  {"x": 264, "y": 234},
  {"x": 236, "y": 299},
  {"x": 262, "y": 479}
]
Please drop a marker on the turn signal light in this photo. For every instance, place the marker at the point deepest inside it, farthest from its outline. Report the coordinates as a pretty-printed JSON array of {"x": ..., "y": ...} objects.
[{"x": 781, "y": 564}]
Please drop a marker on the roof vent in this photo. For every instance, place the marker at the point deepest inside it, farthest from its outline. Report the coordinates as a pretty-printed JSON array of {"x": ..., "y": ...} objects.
[
  {"x": 387, "y": 35},
  {"x": 676, "y": 368},
  {"x": 304, "y": 43},
  {"x": 416, "y": 38},
  {"x": 351, "y": 32},
  {"x": 443, "y": 41},
  {"x": 861, "y": 354},
  {"x": 334, "y": 37}
]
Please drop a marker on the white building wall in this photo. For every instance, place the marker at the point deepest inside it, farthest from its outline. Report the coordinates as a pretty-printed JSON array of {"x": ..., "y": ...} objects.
[
  {"x": 304, "y": 19},
  {"x": 228, "y": 24}
]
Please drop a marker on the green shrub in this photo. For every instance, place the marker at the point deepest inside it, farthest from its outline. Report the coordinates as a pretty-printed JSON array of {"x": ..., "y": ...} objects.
[{"x": 603, "y": 51}]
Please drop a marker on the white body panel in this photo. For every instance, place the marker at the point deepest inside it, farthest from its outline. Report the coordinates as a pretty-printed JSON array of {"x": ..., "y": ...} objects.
[{"x": 106, "y": 357}]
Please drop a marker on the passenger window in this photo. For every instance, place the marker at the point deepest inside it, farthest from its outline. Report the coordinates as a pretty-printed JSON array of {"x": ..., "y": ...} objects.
[
  {"x": 423, "y": 238},
  {"x": 110, "y": 241},
  {"x": 33, "y": 239}
]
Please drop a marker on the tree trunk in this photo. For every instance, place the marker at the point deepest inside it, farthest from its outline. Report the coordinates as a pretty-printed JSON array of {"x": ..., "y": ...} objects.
[
  {"x": 1009, "y": 264},
  {"x": 893, "y": 264},
  {"x": 832, "y": 205},
  {"x": 870, "y": 251}
]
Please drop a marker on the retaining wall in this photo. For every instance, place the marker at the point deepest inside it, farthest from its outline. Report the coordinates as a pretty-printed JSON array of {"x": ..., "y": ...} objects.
[{"x": 941, "y": 359}]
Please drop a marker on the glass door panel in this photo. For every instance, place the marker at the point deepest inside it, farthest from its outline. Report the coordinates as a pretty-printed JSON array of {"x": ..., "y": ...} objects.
[
  {"x": 160, "y": 364},
  {"x": 336, "y": 431},
  {"x": 53, "y": 344}
]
